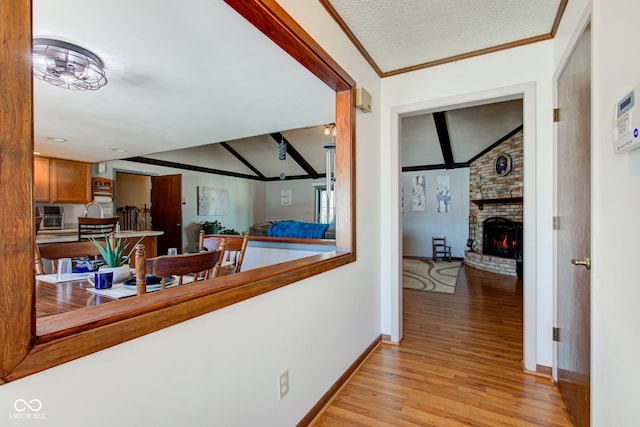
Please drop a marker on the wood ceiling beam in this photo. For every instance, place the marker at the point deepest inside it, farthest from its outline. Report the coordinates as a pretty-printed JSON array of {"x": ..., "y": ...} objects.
[
  {"x": 244, "y": 161},
  {"x": 433, "y": 167},
  {"x": 443, "y": 136},
  {"x": 495, "y": 144},
  {"x": 296, "y": 156}
]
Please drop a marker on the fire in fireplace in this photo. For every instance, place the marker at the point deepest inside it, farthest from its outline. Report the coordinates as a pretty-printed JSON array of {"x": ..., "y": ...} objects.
[{"x": 502, "y": 237}]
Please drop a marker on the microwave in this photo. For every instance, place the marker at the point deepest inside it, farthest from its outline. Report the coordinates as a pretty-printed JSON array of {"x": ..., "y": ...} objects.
[{"x": 52, "y": 217}]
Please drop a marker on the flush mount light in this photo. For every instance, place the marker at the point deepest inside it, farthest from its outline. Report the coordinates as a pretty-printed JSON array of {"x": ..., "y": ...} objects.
[
  {"x": 67, "y": 65},
  {"x": 119, "y": 150},
  {"x": 54, "y": 139}
]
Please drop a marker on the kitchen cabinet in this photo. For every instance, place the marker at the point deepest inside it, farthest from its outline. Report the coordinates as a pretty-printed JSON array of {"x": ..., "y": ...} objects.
[
  {"x": 41, "y": 179},
  {"x": 61, "y": 181}
]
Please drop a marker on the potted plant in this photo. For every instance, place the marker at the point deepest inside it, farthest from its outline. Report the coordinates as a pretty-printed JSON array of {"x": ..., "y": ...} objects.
[
  {"x": 478, "y": 182},
  {"x": 113, "y": 255},
  {"x": 230, "y": 231},
  {"x": 211, "y": 227}
]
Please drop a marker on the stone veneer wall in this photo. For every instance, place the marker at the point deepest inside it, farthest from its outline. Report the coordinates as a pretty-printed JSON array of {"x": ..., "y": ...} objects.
[{"x": 513, "y": 186}]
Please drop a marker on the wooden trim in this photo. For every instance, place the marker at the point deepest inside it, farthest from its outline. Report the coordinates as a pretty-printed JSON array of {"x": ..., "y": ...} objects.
[
  {"x": 467, "y": 55},
  {"x": 345, "y": 28},
  {"x": 340, "y": 382},
  {"x": 347, "y": 31},
  {"x": 541, "y": 371},
  {"x": 559, "y": 15},
  {"x": 67, "y": 336},
  {"x": 17, "y": 225},
  {"x": 275, "y": 23}
]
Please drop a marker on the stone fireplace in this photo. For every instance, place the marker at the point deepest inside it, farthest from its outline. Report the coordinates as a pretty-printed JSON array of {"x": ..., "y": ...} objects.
[{"x": 496, "y": 215}]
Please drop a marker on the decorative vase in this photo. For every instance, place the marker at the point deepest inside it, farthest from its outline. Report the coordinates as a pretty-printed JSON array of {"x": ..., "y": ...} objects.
[
  {"x": 478, "y": 195},
  {"x": 120, "y": 274}
]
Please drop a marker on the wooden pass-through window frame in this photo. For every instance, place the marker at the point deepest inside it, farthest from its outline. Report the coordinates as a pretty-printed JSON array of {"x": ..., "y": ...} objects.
[{"x": 29, "y": 345}]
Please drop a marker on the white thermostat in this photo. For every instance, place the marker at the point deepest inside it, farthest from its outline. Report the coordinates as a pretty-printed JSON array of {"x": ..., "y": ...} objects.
[{"x": 626, "y": 124}]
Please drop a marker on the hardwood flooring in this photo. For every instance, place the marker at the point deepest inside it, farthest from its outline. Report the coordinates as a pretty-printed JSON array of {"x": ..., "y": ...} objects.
[{"x": 458, "y": 365}]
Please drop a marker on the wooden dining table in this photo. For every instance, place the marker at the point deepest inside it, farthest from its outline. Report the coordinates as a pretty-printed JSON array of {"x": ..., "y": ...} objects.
[{"x": 54, "y": 298}]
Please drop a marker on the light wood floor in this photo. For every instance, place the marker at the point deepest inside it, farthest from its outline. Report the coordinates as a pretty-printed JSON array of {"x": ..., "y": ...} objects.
[{"x": 458, "y": 365}]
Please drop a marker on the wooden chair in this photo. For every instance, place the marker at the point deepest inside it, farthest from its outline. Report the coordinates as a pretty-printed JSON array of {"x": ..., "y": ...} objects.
[
  {"x": 440, "y": 248},
  {"x": 233, "y": 253},
  {"x": 200, "y": 266},
  {"x": 95, "y": 227},
  {"x": 54, "y": 251},
  {"x": 209, "y": 242}
]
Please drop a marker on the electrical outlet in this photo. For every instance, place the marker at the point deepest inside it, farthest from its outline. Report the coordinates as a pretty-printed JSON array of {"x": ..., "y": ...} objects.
[{"x": 283, "y": 384}]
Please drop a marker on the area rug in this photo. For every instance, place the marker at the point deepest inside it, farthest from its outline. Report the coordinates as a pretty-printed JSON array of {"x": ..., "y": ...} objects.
[{"x": 427, "y": 275}]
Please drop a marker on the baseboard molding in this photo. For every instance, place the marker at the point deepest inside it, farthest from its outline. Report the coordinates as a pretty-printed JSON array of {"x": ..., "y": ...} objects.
[
  {"x": 541, "y": 371},
  {"x": 328, "y": 397},
  {"x": 387, "y": 340}
]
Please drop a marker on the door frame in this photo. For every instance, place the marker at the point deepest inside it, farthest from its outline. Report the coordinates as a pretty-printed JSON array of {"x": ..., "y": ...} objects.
[
  {"x": 392, "y": 245},
  {"x": 579, "y": 29}
]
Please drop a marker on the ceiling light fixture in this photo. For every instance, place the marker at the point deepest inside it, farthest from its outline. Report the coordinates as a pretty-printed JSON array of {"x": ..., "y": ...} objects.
[
  {"x": 119, "y": 150},
  {"x": 330, "y": 129},
  {"x": 56, "y": 139},
  {"x": 67, "y": 65}
]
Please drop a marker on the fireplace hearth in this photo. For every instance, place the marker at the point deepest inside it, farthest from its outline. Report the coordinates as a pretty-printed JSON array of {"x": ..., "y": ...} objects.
[{"x": 502, "y": 237}]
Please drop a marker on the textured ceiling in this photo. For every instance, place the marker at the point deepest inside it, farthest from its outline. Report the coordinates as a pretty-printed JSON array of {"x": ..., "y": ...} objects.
[{"x": 399, "y": 35}]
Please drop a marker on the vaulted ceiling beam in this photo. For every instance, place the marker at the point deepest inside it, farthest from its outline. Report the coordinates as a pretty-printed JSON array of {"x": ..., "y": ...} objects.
[
  {"x": 495, "y": 144},
  {"x": 242, "y": 160},
  {"x": 443, "y": 136},
  {"x": 433, "y": 167},
  {"x": 296, "y": 156}
]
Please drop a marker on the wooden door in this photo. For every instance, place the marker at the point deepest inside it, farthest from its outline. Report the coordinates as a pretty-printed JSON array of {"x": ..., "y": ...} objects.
[
  {"x": 166, "y": 211},
  {"x": 574, "y": 232}
]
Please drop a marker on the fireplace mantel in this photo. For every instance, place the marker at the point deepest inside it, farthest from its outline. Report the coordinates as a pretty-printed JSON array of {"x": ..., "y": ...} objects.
[{"x": 481, "y": 202}]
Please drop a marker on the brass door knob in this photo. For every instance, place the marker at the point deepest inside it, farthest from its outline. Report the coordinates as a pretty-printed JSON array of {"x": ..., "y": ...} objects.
[{"x": 586, "y": 262}]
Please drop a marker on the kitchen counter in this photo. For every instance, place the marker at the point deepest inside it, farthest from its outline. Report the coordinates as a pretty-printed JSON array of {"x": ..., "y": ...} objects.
[{"x": 71, "y": 235}]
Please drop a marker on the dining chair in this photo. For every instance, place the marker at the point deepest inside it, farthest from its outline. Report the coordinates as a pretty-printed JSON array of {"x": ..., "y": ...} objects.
[
  {"x": 55, "y": 251},
  {"x": 208, "y": 242},
  {"x": 95, "y": 227},
  {"x": 440, "y": 248},
  {"x": 200, "y": 266},
  {"x": 233, "y": 255}
]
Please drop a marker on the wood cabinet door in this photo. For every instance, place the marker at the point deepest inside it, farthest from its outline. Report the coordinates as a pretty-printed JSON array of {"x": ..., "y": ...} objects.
[
  {"x": 70, "y": 181},
  {"x": 41, "y": 179}
]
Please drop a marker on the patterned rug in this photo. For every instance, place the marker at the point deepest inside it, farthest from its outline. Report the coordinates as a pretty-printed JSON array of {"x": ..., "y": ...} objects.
[{"x": 427, "y": 275}]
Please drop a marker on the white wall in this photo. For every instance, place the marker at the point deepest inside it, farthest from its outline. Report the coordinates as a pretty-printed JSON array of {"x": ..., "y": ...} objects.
[
  {"x": 418, "y": 227},
  {"x": 528, "y": 68},
  {"x": 222, "y": 368},
  {"x": 615, "y": 227},
  {"x": 302, "y": 206}
]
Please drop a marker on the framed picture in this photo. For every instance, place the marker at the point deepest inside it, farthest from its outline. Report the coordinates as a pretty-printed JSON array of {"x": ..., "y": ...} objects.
[
  {"x": 285, "y": 197},
  {"x": 213, "y": 201},
  {"x": 503, "y": 164}
]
